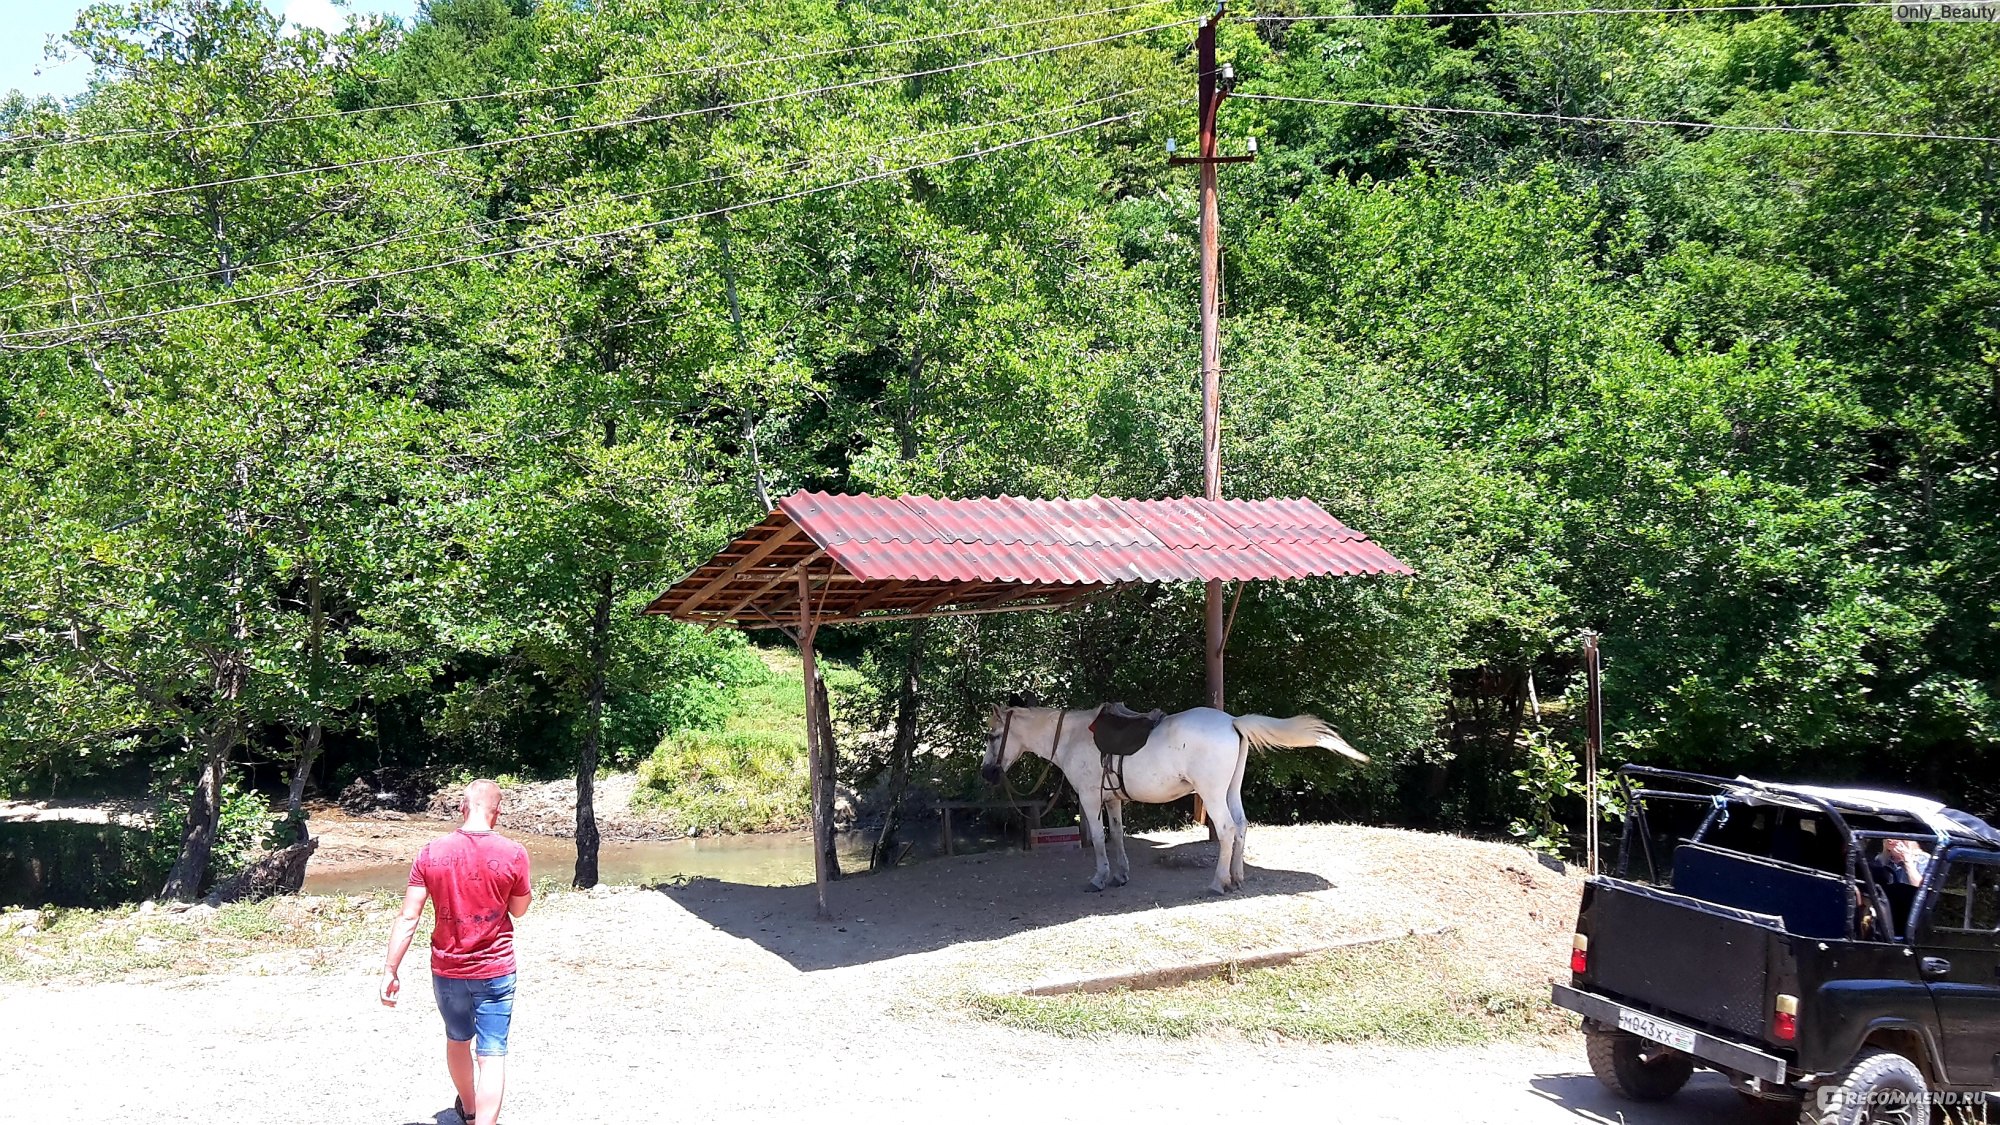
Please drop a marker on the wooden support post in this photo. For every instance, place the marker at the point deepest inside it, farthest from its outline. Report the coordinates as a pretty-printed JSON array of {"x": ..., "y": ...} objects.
[{"x": 807, "y": 627}]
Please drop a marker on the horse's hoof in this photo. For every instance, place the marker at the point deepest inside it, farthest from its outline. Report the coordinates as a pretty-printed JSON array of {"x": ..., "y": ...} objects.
[
  {"x": 1217, "y": 889},
  {"x": 1092, "y": 888},
  {"x": 1120, "y": 881}
]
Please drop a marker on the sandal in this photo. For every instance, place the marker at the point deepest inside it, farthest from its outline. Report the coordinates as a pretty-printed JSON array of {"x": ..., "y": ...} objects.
[{"x": 456, "y": 1104}]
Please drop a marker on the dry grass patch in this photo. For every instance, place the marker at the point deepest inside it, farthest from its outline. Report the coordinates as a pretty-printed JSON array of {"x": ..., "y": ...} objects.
[
  {"x": 139, "y": 943},
  {"x": 1418, "y": 991},
  {"x": 1503, "y": 922}
]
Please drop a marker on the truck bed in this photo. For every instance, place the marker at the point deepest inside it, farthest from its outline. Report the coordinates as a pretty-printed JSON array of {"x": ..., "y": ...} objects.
[{"x": 1683, "y": 957}]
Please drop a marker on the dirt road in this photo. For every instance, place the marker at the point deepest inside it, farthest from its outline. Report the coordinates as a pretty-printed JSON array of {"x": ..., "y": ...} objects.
[
  {"x": 318, "y": 1050},
  {"x": 721, "y": 1002}
]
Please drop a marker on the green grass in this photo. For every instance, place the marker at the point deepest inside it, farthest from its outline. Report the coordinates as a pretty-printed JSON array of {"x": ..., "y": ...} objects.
[
  {"x": 750, "y": 776},
  {"x": 726, "y": 782},
  {"x": 1421, "y": 991}
]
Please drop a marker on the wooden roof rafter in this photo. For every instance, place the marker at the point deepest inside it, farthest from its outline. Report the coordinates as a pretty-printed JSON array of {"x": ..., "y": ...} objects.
[{"x": 755, "y": 556}]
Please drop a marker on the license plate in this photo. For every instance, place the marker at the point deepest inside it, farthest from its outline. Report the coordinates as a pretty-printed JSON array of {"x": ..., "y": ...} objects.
[{"x": 1646, "y": 1027}]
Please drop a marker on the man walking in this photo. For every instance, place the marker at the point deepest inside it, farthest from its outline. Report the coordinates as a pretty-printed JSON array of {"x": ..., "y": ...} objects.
[{"x": 477, "y": 883}]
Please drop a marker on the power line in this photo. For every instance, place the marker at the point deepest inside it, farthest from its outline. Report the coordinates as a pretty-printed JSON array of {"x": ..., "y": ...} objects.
[
  {"x": 1802, "y": 130},
  {"x": 523, "y": 216},
  {"x": 1506, "y": 14},
  {"x": 328, "y": 283},
  {"x": 433, "y": 103},
  {"x": 397, "y": 158}
]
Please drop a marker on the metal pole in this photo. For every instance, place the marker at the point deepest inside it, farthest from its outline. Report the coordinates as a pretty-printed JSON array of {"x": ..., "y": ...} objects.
[
  {"x": 819, "y": 825},
  {"x": 1593, "y": 742}
]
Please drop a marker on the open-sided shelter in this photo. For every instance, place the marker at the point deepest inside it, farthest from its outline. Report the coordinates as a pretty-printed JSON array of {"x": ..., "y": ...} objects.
[{"x": 824, "y": 559}]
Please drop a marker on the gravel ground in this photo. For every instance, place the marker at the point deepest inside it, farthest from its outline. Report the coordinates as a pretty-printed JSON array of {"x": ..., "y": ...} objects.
[{"x": 715, "y": 1001}]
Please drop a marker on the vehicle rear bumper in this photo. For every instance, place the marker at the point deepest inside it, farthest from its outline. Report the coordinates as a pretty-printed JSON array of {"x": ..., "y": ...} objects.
[{"x": 1723, "y": 1053}]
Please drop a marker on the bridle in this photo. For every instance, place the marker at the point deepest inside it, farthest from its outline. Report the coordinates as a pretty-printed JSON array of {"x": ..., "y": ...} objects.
[{"x": 1007, "y": 730}]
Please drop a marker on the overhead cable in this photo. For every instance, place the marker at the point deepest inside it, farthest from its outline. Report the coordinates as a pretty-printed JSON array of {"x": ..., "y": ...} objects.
[
  {"x": 402, "y": 157},
  {"x": 1525, "y": 14},
  {"x": 72, "y": 330},
  {"x": 524, "y": 216},
  {"x": 1582, "y": 120},
  {"x": 531, "y": 91}
]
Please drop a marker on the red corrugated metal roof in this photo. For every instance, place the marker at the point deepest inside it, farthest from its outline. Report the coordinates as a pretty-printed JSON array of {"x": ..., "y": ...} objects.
[
  {"x": 868, "y": 558},
  {"x": 1094, "y": 541}
]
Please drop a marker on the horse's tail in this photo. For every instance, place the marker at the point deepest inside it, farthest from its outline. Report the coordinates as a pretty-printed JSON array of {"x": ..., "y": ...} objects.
[{"x": 1262, "y": 732}]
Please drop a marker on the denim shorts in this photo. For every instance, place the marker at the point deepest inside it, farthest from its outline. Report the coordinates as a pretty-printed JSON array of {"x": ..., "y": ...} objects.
[{"x": 484, "y": 1007}]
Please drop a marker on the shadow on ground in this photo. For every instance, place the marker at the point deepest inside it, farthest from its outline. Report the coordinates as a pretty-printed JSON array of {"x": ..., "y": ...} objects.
[
  {"x": 931, "y": 905},
  {"x": 1708, "y": 1099}
]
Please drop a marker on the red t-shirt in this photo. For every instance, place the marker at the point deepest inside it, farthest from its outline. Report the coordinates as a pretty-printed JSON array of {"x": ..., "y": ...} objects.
[{"x": 470, "y": 876}]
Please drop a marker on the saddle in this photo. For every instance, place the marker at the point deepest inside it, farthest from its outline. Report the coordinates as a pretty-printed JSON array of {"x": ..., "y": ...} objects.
[{"x": 1119, "y": 732}]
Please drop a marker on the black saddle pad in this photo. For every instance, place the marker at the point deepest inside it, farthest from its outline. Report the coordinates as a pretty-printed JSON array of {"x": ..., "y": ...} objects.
[{"x": 1119, "y": 730}]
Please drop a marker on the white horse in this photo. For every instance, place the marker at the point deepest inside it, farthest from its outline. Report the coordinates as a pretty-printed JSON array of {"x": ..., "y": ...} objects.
[{"x": 1198, "y": 751}]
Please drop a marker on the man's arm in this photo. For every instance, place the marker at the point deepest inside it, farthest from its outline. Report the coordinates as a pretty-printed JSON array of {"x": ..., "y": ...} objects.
[
  {"x": 524, "y": 890},
  {"x": 1915, "y": 859},
  {"x": 400, "y": 933}
]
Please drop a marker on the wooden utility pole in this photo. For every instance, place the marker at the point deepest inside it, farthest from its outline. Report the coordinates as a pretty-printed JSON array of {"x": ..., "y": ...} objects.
[
  {"x": 1211, "y": 330},
  {"x": 1211, "y": 87}
]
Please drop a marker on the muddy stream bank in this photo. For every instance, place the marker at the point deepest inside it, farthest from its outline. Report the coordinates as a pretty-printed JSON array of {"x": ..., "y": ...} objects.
[{"x": 359, "y": 855}]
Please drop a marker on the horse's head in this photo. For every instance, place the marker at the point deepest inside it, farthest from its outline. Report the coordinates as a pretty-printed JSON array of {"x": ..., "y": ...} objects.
[{"x": 1002, "y": 749}]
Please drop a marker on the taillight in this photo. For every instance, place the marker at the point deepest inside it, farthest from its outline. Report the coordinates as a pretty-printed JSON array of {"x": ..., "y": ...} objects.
[
  {"x": 1579, "y": 954},
  {"x": 1785, "y": 1019}
]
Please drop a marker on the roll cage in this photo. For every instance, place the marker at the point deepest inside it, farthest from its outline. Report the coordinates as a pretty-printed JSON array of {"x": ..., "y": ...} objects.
[{"x": 1886, "y": 817}]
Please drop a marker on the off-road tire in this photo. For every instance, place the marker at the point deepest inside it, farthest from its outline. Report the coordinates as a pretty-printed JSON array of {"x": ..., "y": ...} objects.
[
  {"x": 1617, "y": 1058},
  {"x": 1847, "y": 1098}
]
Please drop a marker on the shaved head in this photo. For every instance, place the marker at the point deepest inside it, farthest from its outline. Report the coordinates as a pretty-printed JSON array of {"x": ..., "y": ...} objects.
[{"x": 482, "y": 802}]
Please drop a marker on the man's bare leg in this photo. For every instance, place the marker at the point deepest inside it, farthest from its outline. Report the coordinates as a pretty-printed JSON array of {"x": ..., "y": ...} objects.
[
  {"x": 492, "y": 1085},
  {"x": 458, "y": 1057}
]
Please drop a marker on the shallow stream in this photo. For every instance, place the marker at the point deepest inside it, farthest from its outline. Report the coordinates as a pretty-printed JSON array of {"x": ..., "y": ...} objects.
[{"x": 771, "y": 859}]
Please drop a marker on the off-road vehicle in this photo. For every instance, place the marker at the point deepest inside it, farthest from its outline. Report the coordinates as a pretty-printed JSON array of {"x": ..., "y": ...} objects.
[{"x": 1834, "y": 952}]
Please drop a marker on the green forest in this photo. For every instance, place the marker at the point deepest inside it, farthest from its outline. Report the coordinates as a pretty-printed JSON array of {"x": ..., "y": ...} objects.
[{"x": 360, "y": 389}]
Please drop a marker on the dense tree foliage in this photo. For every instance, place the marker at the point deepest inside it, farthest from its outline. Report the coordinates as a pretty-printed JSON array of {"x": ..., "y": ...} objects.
[{"x": 360, "y": 388}]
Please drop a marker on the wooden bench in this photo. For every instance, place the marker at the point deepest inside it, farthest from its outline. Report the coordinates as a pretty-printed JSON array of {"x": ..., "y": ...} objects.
[{"x": 1031, "y": 812}]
